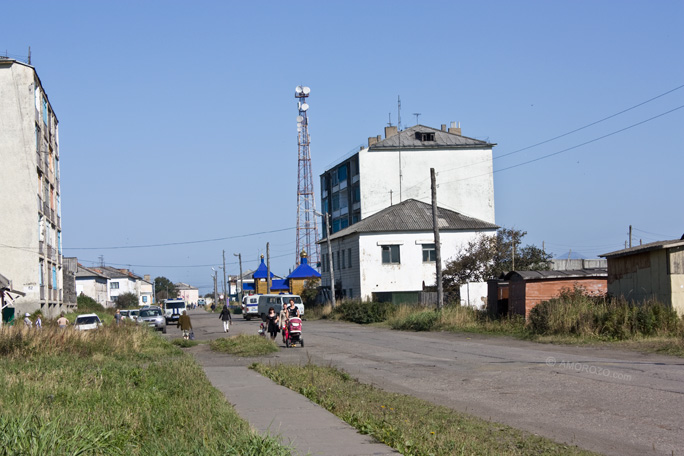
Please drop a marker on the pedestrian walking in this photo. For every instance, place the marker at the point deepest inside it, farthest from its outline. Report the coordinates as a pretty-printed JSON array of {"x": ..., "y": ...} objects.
[
  {"x": 227, "y": 319},
  {"x": 39, "y": 322},
  {"x": 62, "y": 322},
  {"x": 117, "y": 316},
  {"x": 185, "y": 325},
  {"x": 27, "y": 321},
  {"x": 273, "y": 321}
]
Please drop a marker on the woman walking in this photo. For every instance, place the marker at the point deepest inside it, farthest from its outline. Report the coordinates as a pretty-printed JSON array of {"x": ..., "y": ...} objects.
[
  {"x": 272, "y": 320},
  {"x": 227, "y": 319}
]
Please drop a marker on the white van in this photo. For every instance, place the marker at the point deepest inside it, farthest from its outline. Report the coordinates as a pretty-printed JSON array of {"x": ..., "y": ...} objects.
[
  {"x": 279, "y": 301},
  {"x": 250, "y": 307},
  {"x": 173, "y": 309}
]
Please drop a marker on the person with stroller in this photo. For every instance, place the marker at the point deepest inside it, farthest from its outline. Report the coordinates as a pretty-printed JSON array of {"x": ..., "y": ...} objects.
[
  {"x": 273, "y": 321},
  {"x": 227, "y": 319},
  {"x": 288, "y": 312}
]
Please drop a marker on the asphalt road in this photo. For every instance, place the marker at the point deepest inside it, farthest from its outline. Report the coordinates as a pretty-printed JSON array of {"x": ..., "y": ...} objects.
[{"x": 610, "y": 401}]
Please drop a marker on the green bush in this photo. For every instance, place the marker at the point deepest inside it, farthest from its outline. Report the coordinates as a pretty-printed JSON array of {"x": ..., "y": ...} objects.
[
  {"x": 421, "y": 321},
  {"x": 88, "y": 304},
  {"x": 364, "y": 312}
]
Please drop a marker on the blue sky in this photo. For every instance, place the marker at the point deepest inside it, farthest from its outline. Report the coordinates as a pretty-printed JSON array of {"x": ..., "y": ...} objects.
[{"x": 178, "y": 119}]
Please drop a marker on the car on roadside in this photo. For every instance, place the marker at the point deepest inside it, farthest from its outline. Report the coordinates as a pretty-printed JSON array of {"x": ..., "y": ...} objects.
[
  {"x": 133, "y": 314},
  {"x": 87, "y": 322},
  {"x": 153, "y": 317}
]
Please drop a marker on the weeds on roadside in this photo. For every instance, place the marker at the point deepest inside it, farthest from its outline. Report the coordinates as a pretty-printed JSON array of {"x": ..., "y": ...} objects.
[
  {"x": 117, "y": 390},
  {"x": 410, "y": 425}
]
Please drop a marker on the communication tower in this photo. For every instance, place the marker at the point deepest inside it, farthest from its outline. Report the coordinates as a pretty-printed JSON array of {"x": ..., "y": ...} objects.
[{"x": 307, "y": 228}]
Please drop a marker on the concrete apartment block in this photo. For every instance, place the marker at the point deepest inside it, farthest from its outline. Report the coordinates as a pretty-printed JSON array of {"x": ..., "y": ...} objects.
[{"x": 30, "y": 225}]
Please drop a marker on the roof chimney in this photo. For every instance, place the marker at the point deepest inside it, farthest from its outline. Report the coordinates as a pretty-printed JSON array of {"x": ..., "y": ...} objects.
[
  {"x": 372, "y": 141},
  {"x": 454, "y": 129},
  {"x": 444, "y": 127},
  {"x": 390, "y": 131},
  {"x": 146, "y": 277}
]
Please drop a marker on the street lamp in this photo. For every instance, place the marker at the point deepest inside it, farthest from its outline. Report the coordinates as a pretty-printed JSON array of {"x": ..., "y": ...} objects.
[
  {"x": 330, "y": 260},
  {"x": 239, "y": 255}
]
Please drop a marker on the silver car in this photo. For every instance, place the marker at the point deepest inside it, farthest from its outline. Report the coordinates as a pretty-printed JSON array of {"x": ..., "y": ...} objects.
[{"x": 153, "y": 317}]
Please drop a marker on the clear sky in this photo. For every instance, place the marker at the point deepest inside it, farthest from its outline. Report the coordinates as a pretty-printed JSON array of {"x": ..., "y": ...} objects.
[{"x": 178, "y": 119}]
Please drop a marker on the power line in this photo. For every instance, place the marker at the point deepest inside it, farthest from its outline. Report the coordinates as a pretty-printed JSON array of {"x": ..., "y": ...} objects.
[
  {"x": 178, "y": 243},
  {"x": 182, "y": 266},
  {"x": 592, "y": 123},
  {"x": 654, "y": 234}
]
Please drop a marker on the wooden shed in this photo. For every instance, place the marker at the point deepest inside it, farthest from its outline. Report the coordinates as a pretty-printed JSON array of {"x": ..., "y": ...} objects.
[
  {"x": 649, "y": 271},
  {"x": 529, "y": 288}
]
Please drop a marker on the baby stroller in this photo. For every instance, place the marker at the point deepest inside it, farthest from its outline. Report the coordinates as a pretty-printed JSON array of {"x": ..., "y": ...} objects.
[{"x": 294, "y": 332}]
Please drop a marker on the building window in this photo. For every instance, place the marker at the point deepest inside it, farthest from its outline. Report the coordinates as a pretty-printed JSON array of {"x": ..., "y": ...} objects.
[
  {"x": 54, "y": 277},
  {"x": 336, "y": 202},
  {"x": 350, "y": 294},
  {"x": 144, "y": 299},
  {"x": 349, "y": 257},
  {"x": 390, "y": 254},
  {"x": 355, "y": 166},
  {"x": 336, "y": 225},
  {"x": 335, "y": 180},
  {"x": 344, "y": 201},
  {"x": 342, "y": 173},
  {"x": 356, "y": 193},
  {"x": 429, "y": 254},
  {"x": 356, "y": 216},
  {"x": 324, "y": 203},
  {"x": 341, "y": 257},
  {"x": 425, "y": 136},
  {"x": 344, "y": 223},
  {"x": 114, "y": 285}
]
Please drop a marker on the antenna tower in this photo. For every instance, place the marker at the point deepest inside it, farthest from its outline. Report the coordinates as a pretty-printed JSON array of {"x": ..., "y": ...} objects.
[{"x": 307, "y": 228}]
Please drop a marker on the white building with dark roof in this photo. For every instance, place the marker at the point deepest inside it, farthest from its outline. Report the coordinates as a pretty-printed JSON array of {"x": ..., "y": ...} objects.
[
  {"x": 390, "y": 255},
  {"x": 391, "y": 170}
]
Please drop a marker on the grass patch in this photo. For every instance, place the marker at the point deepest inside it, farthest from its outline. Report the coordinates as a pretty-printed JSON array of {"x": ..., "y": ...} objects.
[
  {"x": 410, "y": 425},
  {"x": 185, "y": 343},
  {"x": 244, "y": 345},
  {"x": 119, "y": 390}
]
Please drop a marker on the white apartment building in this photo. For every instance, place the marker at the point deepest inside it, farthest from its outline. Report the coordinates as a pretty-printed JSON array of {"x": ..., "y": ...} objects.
[
  {"x": 30, "y": 225},
  {"x": 397, "y": 168},
  {"x": 391, "y": 254}
]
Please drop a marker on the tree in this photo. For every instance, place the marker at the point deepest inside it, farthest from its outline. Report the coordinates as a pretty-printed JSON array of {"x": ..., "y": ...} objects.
[
  {"x": 310, "y": 291},
  {"x": 126, "y": 300},
  {"x": 488, "y": 257},
  {"x": 164, "y": 288}
]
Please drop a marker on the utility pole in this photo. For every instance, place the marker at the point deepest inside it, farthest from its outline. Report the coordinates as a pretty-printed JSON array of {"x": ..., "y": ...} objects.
[
  {"x": 630, "y": 236},
  {"x": 216, "y": 302},
  {"x": 438, "y": 249},
  {"x": 225, "y": 296},
  {"x": 268, "y": 269},
  {"x": 330, "y": 257},
  {"x": 239, "y": 255}
]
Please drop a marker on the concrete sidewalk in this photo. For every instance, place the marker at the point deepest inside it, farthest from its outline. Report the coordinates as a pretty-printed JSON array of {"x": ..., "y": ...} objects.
[{"x": 281, "y": 412}]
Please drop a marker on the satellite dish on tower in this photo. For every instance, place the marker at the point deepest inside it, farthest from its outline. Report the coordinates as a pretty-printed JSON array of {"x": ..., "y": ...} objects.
[
  {"x": 300, "y": 118},
  {"x": 298, "y": 90},
  {"x": 306, "y": 90},
  {"x": 304, "y": 107}
]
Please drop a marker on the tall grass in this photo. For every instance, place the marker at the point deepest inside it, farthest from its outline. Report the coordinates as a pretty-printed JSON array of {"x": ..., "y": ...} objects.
[
  {"x": 574, "y": 313},
  {"x": 117, "y": 390},
  {"x": 453, "y": 318}
]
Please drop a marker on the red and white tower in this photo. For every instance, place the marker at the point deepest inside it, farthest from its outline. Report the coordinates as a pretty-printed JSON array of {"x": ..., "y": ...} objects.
[{"x": 307, "y": 227}]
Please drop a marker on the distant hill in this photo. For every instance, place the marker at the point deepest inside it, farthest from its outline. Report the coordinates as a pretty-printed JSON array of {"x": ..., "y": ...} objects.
[{"x": 573, "y": 256}]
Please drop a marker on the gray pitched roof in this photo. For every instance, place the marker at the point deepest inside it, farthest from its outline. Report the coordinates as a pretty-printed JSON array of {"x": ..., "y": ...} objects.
[
  {"x": 83, "y": 272},
  {"x": 644, "y": 248},
  {"x": 443, "y": 140},
  {"x": 414, "y": 215},
  {"x": 569, "y": 274}
]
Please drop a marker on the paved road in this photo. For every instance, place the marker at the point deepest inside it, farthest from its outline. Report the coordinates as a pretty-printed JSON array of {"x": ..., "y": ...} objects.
[{"x": 610, "y": 401}]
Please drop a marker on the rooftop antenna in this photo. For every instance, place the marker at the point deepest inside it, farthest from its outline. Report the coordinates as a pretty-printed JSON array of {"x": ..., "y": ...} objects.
[
  {"x": 398, "y": 113},
  {"x": 390, "y": 120},
  {"x": 307, "y": 226},
  {"x": 29, "y": 56},
  {"x": 417, "y": 114}
]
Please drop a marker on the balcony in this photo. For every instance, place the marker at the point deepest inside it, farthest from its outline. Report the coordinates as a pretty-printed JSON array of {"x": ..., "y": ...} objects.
[
  {"x": 59, "y": 222},
  {"x": 51, "y": 252},
  {"x": 42, "y": 292},
  {"x": 46, "y": 208},
  {"x": 41, "y": 248},
  {"x": 52, "y": 215}
]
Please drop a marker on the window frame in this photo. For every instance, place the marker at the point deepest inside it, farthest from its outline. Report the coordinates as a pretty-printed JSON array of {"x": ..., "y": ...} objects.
[{"x": 389, "y": 252}]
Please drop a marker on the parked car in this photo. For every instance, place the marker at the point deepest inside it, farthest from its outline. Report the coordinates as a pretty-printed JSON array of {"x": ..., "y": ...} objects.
[
  {"x": 250, "y": 307},
  {"x": 133, "y": 314},
  {"x": 87, "y": 322},
  {"x": 201, "y": 302},
  {"x": 153, "y": 317}
]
